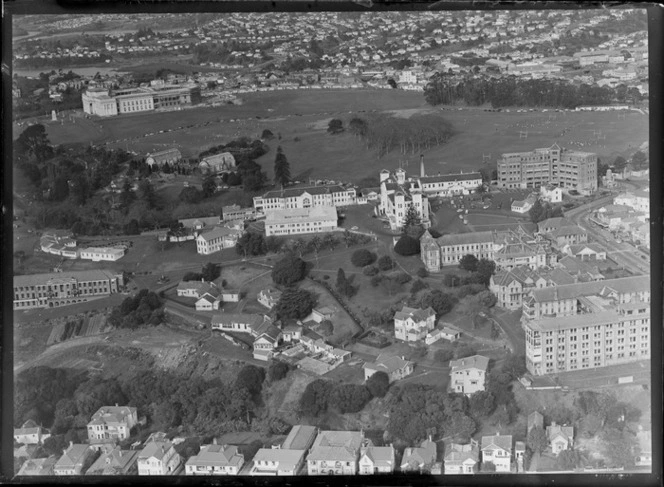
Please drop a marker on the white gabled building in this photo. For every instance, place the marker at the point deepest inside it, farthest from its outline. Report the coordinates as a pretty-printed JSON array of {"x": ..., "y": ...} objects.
[
  {"x": 413, "y": 324},
  {"x": 216, "y": 239},
  {"x": 215, "y": 460},
  {"x": 158, "y": 457},
  {"x": 397, "y": 194},
  {"x": 301, "y": 220},
  {"x": 305, "y": 197},
  {"x": 467, "y": 375}
]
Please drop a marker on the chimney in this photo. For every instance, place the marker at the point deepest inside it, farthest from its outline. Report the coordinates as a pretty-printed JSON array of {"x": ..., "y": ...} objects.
[
  {"x": 422, "y": 173},
  {"x": 553, "y": 424},
  {"x": 71, "y": 443},
  {"x": 214, "y": 441}
]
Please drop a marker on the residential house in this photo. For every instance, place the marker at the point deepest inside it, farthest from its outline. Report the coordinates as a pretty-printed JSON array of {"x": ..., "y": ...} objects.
[
  {"x": 552, "y": 224},
  {"x": 218, "y": 163},
  {"x": 242, "y": 322},
  {"x": 497, "y": 449},
  {"x": 111, "y": 424},
  {"x": 209, "y": 301},
  {"x": 277, "y": 462},
  {"x": 215, "y": 239},
  {"x": 335, "y": 453},
  {"x": 38, "y": 466},
  {"x": 321, "y": 314},
  {"x": 461, "y": 459},
  {"x": 200, "y": 223},
  {"x": 168, "y": 156},
  {"x": 511, "y": 286},
  {"x": 215, "y": 460},
  {"x": 30, "y": 433},
  {"x": 422, "y": 459},
  {"x": 158, "y": 457},
  {"x": 395, "y": 367},
  {"x": 568, "y": 235},
  {"x": 450, "y": 333},
  {"x": 467, "y": 375},
  {"x": 413, "y": 324},
  {"x": 551, "y": 193},
  {"x": 376, "y": 460},
  {"x": 269, "y": 297},
  {"x": 291, "y": 330},
  {"x": 524, "y": 206},
  {"x": 196, "y": 289},
  {"x": 74, "y": 460},
  {"x": 582, "y": 271},
  {"x": 267, "y": 342},
  {"x": 115, "y": 462},
  {"x": 560, "y": 437},
  {"x": 300, "y": 437}
]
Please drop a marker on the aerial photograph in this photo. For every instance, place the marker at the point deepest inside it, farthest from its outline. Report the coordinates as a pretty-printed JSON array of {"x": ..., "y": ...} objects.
[{"x": 383, "y": 243}]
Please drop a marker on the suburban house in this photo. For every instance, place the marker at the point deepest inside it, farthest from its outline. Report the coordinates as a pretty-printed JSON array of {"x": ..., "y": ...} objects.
[
  {"x": 552, "y": 224},
  {"x": 376, "y": 460},
  {"x": 511, "y": 286},
  {"x": 300, "y": 437},
  {"x": 215, "y": 460},
  {"x": 335, "y": 453},
  {"x": 267, "y": 342},
  {"x": 560, "y": 437},
  {"x": 30, "y": 433},
  {"x": 567, "y": 235},
  {"x": 413, "y": 324},
  {"x": 196, "y": 289},
  {"x": 200, "y": 223},
  {"x": 38, "y": 466},
  {"x": 115, "y": 462},
  {"x": 242, "y": 322},
  {"x": 321, "y": 314},
  {"x": 585, "y": 251},
  {"x": 158, "y": 457},
  {"x": 551, "y": 193},
  {"x": 395, "y": 367},
  {"x": 461, "y": 459},
  {"x": 209, "y": 301},
  {"x": 111, "y": 424},
  {"x": 73, "y": 460},
  {"x": 269, "y": 297},
  {"x": 497, "y": 449},
  {"x": 291, "y": 330},
  {"x": 218, "y": 163},
  {"x": 168, "y": 156},
  {"x": 421, "y": 459},
  {"x": 467, "y": 375},
  {"x": 277, "y": 462},
  {"x": 524, "y": 206},
  {"x": 215, "y": 239}
]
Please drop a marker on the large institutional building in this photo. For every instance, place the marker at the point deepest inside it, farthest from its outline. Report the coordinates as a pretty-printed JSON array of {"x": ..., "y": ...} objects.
[
  {"x": 570, "y": 170},
  {"x": 398, "y": 192},
  {"x": 301, "y": 220},
  {"x": 508, "y": 249},
  {"x": 305, "y": 197},
  {"x": 104, "y": 103},
  {"x": 590, "y": 324},
  {"x": 61, "y": 288}
]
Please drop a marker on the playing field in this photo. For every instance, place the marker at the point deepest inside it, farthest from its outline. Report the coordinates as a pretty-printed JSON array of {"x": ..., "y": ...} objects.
[{"x": 301, "y": 117}]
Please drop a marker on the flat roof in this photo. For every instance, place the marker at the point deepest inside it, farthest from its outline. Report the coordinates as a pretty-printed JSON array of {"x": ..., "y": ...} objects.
[{"x": 581, "y": 320}]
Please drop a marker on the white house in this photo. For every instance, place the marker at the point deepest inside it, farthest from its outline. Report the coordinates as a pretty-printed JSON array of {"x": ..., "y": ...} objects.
[
  {"x": 73, "y": 460},
  {"x": 524, "y": 206},
  {"x": 551, "y": 193},
  {"x": 215, "y": 460},
  {"x": 97, "y": 254},
  {"x": 560, "y": 437},
  {"x": 218, "y": 163},
  {"x": 158, "y": 457},
  {"x": 395, "y": 367},
  {"x": 277, "y": 462},
  {"x": 242, "y": 322},
  {"x": 462, "y": 459},
  {"x": 216, "y": 239},
  {"x": 209, "y": 301},
  {"x": 111, "y": 424},
  {"x": 376, "y": 460},
  {"x": 413, "y": 324},
  {"x": 30, "y": 433},
  {"x": 266, "y": 342},
  {"x": 195, "y": 289},
  {"x": 467, "y": 375},
  {"x": 421, "y": 459},
  {"x": 269, "y": 297},
  {"x": 497, "y": 449}
]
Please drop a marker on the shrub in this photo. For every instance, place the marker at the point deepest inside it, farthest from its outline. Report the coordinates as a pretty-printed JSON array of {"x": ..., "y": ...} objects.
[
  {"x": 376, "y": 280},
  {"x": 418, "y": 286},
  {"x": 370, "y": 270},
  {"x": 403, "y": 278},
  {"x": 362, "y": 257},
  {"x": 378, "y": 384},
  {"x": 422, "y": 272},
  {"x": 385, "y": 263},
  {"x": 407, "y": 245}
]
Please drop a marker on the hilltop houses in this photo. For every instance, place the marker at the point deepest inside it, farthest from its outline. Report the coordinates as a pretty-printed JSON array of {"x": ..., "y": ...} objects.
[
  {"x": 111, "y": 424},
  {"x": 413, "y": 324}
]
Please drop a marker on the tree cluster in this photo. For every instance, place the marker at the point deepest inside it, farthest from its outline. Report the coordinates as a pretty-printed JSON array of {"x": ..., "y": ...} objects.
[
  {"x": 362, "y": 257},
  {"x": 289, "y": 270},
  {"x": 542, "y": 211},
  {"x": 144, "y": 308},
  {"x": 344, "y": 285},
  {"x": 407, "y": 245},
  {"x": 322, "y": 395},
  {"x": 295, "y": 303}
]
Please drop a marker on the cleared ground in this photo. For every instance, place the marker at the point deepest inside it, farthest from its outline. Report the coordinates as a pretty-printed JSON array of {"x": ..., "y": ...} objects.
[{"x": 300, "y": 117}]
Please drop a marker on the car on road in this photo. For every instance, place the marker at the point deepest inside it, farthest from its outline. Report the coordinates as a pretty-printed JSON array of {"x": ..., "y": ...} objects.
[{"x": 354, "y": 228}]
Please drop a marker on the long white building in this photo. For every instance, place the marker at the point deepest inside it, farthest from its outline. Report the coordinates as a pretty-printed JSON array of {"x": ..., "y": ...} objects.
[
  {"x": 301, "y": 220},
  {"x": 305, "y": 197}
]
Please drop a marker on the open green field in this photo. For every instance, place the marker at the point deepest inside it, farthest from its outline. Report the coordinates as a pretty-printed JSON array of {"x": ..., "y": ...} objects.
[{"x": 304, "y": 114}]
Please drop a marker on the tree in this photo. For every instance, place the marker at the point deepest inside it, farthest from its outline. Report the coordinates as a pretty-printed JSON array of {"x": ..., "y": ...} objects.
[
  {"x": 362, "y": 257},
  {"x": 618, "y": 447},
  {"x": 619, "y": 164},
  {"x": 468, "y": 262},
  {"x": 344, "y": 285},
  {"x": 210, "y": 271},
  {"x": 488, "y": 467},
  {"x": 295, "y": 303},
  {"x": 277, "y": 371},
  {"x": 485, "y": 269},
  {"x": 289, "y": 270},
  {"x": 358, "y": 127},
  {"x": 378, "y": 384},
  {"x": 251, "y": 378},
  {"x": 190, "y": 195},
  {"x": 569, "y": 460},
  {"x": 407, "y": 245},
  {"x": 147, "y": 194},
  {"x": 335, "y": 126},
  {"x": 481, "y": 404},
  {"x": 537, "y": 440},
  {"x": 536, "y": 213},
  {"x": 33, "y": 143},
  {"x": 385, "y": 263},
  {"x": 349, "y": 398},
  {"x": 282, "y": 174},
  {"x": 251, "y": 243},
  {"x": 326, "y": 327},
  {"x": 515, "y": 366},
  {"x": 459, "y": 426},
  {"x": 411, "y": 218},
  {"x": 418, "y": 286},
  {"x": 314, "y": 399},
  {"x": 209, "y": 186},
  {"x": 267, "y": 135},
  {"x": 441, "y": 302},
  {"x": 639, "y": 159}
]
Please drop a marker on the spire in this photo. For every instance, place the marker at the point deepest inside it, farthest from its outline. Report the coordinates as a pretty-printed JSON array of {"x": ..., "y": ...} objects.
[{"x": 422, "y": 172}]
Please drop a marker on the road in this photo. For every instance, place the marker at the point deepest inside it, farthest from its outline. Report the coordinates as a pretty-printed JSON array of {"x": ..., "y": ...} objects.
[{"x": 623, "y": 254}]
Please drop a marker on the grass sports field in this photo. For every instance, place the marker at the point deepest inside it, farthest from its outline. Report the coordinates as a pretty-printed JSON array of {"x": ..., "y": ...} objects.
[{"x": 301, "y": 118}]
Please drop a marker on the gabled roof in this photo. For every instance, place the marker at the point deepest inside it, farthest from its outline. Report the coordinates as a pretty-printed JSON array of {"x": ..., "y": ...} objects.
[
  {"x": 38, "y": 466},
  {"x": 417, "y": 314},
  {"x": 312, "y": 190},
  {"x": 622, "y": 285},
  {"x": 568, "y": 230},
  {"x": 270, "y": 333},
  {"x": 554, "y": 430},
  {"x": 496, "y": 442},
  {"x": 387, "y": 365},
  {"x": 380, "y": 456},
  {"x": 217, "y": 456},
  {"x": 414, "y": 458},
  {"x": 286, "y": 459},
  {"x": 444, "y": 178},
  {"x": 112, "y": 414},
  {"x": 535, "y": 419},
  {"x": 201, "y": 287},
  {"x": 109, "y": 462},
  {"x": 457, "y": 453},
  {"x": 155, "y": 449},
  {"x": 555, "y": 222},
  {"x": 474, "y": 362},
  {"x": 218, "y": 232},
  {"x": 300, "y": 437},
  {"x": 72, "y": 456}
]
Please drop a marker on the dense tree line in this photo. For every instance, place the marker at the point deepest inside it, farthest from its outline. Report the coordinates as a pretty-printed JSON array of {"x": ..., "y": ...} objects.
[
  {"x": 144, "y": 308},
  {"x": 322, "y": 395},
  {"x": 384, "y": 133},
  {"x": 447, "y": 89}
]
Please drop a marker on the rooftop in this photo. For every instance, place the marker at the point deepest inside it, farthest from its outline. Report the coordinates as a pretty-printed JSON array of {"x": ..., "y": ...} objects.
[{"x": 474, "y": 362}]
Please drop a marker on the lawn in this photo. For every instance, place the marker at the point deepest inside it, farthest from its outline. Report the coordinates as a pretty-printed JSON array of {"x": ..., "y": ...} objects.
[{"x": 304, "y": 114}]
